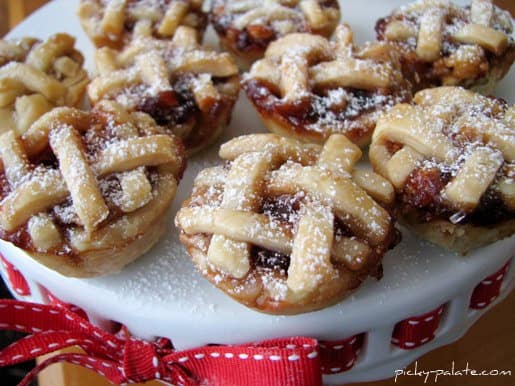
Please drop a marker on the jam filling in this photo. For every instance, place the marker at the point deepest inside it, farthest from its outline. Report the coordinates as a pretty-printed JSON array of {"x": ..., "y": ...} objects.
[
  {"x": 421, "y": 196},
  {"x": 255, "y": 37},
  {"x": 101, "y": 131},
  {"x": 160, "y": 6},
  {"x": 431, "y": 74},
  {"x": 340, "y": 110}
]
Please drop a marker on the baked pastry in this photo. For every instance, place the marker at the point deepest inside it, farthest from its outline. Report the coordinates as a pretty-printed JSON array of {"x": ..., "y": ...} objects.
[
  {"x": 187, "y": 89},
  {"x": 285, "y": 227},
  {"x": 443, "y": 44},
  {"x": 246, "y": 28},
  {"x": 85, "y": 193},
  {"x": 36, "y": 76},
  {"x": 309, "y": 88},
  {"x": 115, "y": 23},
  {"x": 450, "y": 155}
]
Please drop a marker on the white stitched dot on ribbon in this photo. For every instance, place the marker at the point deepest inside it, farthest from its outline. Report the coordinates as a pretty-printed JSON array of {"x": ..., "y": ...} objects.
[
  {"x": 36, "y": 350},
  {"x": 199, "y": 356},
  {"x": 258, "y": 357},
  {"x": 335, "y": 369},
  {"x": 183, "y": 359},
  {"x": 275, "y": 358},
  {"x": 36, "y": 309},
  {"x": 157, "y": 375},
  {"x": 350, "y": 363},
  {"x": 243, "y": 356},
  {"x": 413, "y": 322},
  {"x": 18, "y": 356},
  {"x": 228, "y": 355},
  {"x": 353, "y": 340},
  {"x": 215, "y": 354},
  {"x": 338, "y": 347},
  {"x": 294, "y": 357},
  {"x": 155, "y": 361},
  {"x": 292, "y": 346},
  {"x": 19, "y": 307},
  {"x": 429, "y": 318},
  {"x": 52, "y": 345},
  {"x": 312, "y": 355},
  {"x": 112, "y": 344}
]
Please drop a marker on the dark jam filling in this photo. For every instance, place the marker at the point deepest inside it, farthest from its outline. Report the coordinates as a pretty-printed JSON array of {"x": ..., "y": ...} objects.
[
  {"x": 255, "y": 37},
  {"x": 425, "y": 74},
  {"x": 285, "y": 209},
  {"x": 323, "y": 109},
  {"x": 422, "y": 194},
  {"x": 172, "y": 107}
]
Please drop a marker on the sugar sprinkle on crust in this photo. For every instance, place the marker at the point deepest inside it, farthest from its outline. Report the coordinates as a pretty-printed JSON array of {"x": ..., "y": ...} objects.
[{"x": 284, "y": 227}]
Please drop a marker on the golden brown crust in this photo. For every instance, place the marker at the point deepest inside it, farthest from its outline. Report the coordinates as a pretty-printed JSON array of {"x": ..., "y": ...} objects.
[
  {"x": 443, "y": 44},
  {"x": 286, "y": 227},
  {"x": 85, "y": 192},
  {"x": 187, "y": 89},
  {"x": 246, "y": 29},
  {"x": 36, "y": 76},
  {"x": 115, "y": 25},
  {"x": 308, "y": 88},
  {"x": 450, "y": 156},
  {"x": 459, "y": 238}
]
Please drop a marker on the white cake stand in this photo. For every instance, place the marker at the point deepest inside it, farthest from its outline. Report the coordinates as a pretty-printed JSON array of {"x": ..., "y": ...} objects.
[{"x": 162, "y": 294}]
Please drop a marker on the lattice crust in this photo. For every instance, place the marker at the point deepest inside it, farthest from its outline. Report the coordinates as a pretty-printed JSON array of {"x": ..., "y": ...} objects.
[
  {"x": 287, "y": 227},
  {"x": 79, "y": 186},
  {"x": 444, "y": 44},
  {"x": 36, "y": 76},
  {"x": 187, "y": 89},
  {"x": 451, "y": 156},
  {"x": 115, "y": 23},
  {"x": 247, "y": 27},
  {"x": 310, "y": 88}
]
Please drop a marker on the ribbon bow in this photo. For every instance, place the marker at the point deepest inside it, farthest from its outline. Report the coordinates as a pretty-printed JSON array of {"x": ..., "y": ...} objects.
[{"x": 124, "y": 359}]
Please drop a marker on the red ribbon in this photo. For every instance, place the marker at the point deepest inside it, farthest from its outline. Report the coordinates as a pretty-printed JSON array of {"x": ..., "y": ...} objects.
[
  {"x": 124, "y": 359},
  {"x": 17, "y": 280}
]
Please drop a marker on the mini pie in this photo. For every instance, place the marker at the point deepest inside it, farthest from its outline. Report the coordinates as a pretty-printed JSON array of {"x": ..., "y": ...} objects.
[
  {"x": 309, "y": 88},
  {"x": 85, "y": 193},
  {"x": 246, "y": 27},
  {"x": 450, "y": 155},
  {"x": 187, "y": 89},
  {"x": 114, "y": 23},
  {"x": 36, "y": 76},
  {"x": 285, "y": 227},
  {"x": 443, "y": 44}
]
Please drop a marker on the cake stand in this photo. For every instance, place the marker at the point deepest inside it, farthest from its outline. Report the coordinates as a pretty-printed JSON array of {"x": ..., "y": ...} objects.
[{"x": 427, "y": 298}]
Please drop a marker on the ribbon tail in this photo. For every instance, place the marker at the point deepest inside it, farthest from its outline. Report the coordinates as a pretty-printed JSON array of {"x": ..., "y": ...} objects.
[{"x": 108, "y": 369}]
